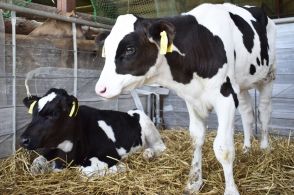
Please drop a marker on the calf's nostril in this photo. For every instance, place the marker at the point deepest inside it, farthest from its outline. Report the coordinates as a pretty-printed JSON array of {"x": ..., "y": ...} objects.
[
  {"x": 102, "y": 90},
  {"x": 25, "y": 141}
]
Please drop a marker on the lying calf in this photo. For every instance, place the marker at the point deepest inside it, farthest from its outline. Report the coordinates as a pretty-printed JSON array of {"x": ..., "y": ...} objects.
[{"x": 93, "y": 139}]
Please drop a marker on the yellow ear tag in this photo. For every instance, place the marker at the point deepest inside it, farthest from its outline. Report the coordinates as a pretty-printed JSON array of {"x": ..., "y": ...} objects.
[
  {"x": 163, "y": 42},
  {"x": 170, "y": 48},
  {"x": 103, "y": 52},
  {"x": 32, "y": 107},
  {"x": 72, "y": 109}
]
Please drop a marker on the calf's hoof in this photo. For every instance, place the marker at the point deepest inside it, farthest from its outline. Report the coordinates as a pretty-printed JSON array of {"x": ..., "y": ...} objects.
[
  {"x": 148, "y": 154},
  {"x": 246, "y": 149},
  {"x": 264, "y": 145},
  {"x": 119, "y": 168},
  {"x": 231, "y": 191},
  {"x": 193, "y": 187},
  {"x": 40, "y": 166}
]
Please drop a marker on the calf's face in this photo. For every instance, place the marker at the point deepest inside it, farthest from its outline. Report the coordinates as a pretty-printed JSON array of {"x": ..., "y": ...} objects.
[
  {"x": 131, "y": 54},
  {"x": 51, "y": 118}
]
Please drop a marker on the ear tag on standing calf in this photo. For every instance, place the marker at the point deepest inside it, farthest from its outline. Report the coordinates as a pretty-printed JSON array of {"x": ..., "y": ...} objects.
[
  {"x": 164, "y": 47},
  {"x": 163, "y": 42},
  {"x": 170, "y": 48},
  {"x": 103, "y": 52},
  {"x": 32, "y": 107}
]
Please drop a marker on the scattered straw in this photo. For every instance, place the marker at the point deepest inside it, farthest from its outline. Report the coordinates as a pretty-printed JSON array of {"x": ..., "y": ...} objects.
[{"x": 258, "y": 172}]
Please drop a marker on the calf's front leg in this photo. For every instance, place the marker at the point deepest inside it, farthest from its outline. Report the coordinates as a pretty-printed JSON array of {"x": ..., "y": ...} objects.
[
  {"x": 197, "y": 133},
  {"x": 40, "y": 165},
  {"x": 99, "y": 167},
  {"x": 44, "y": 163}
]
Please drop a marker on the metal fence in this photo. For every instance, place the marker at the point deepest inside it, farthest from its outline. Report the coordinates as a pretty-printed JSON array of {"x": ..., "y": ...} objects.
[{"x": 72, "y": 63}]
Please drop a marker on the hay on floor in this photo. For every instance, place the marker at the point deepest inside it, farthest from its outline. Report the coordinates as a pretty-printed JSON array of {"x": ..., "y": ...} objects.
[{"x": 257, "y": 172}]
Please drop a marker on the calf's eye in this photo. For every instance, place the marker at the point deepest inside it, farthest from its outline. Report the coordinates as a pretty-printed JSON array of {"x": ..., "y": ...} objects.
[
  {"x": 52, "y": 115},
  {"x": 130, "y": 51}
]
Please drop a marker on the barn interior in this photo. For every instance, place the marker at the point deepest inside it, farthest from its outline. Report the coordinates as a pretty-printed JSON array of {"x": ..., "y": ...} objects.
[{"x": 51, "y": 43}]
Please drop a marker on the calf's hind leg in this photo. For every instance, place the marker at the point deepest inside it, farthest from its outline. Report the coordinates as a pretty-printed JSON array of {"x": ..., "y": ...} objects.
[
  {"x": 154, "y": 143},
  {"x": 265, "y": 110},
  {"x": 224, "y": 142},
  {"x": 151, "y": 136},
  {"x": 246, "y": 111}
]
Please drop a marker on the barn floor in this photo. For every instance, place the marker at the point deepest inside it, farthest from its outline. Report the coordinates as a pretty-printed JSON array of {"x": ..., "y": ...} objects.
[{"x": 258, "y": 172}]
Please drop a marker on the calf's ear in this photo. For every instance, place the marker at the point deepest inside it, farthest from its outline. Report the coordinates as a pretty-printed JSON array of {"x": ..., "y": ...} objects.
[
  {"x": 163, "y": 33},
  {"x": 99, "y": 40},
  {"x": 74, "y": 106},
  {"x": 30, "y": 102}
]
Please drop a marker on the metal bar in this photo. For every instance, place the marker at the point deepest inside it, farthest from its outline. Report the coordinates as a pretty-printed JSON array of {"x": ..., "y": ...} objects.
[
  {"x": 13, "y": 22},
  {"x": 137, "y": 100},
  {"x": 284, "y": 20},
  {"x": 157, "y": 7},
  {"x": 149, "y": 105},
  {"x": 74, "y": 37},
  {"x": 157, "y": 111},
  {"x": 16, "y": 8}
]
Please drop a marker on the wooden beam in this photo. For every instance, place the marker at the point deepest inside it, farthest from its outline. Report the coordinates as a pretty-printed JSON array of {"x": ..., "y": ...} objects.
[
  {"x": 50, "y": 9},
  {"x": 66, "y": 5},
  {"x": 53, "y": 16}
]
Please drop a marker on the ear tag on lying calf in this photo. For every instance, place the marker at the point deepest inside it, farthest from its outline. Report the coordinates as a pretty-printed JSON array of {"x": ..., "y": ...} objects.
[
  {"x": 32, "y": 107},
  {"x": 73, "y": 108},
  {"x": 103, "y": 52}
]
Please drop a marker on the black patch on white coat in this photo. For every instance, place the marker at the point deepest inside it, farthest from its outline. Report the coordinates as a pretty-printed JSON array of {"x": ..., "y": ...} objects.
[
  {"x": 245, "y": 29},
  {"x": 227, "y": 89},
  {"x": 252, "y": 69},
  {"x": 139, "y": 62},
  {"x": 257, "y": 61},
  {"x": 204, "y": 52},
  {"x": 260, "y": 27},
  {"x": 234, "y": 54}
]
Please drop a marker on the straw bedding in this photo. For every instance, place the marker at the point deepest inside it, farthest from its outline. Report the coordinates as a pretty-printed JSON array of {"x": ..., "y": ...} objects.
[{"x": 257, "y": 172}]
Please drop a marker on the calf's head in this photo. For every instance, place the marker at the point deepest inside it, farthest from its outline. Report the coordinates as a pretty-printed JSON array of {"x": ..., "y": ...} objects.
[
  {"x": 52, "y": 119},
  {"x": 133, "y": 51}
]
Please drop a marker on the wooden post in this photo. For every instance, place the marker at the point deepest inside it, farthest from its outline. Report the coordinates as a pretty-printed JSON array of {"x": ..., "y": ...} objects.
[
  {"x": 66, "y": 5},
  {"x": 278, "y": 8}
]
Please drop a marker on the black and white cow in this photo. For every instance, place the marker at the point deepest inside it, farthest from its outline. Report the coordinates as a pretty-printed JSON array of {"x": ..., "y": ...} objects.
[
  {"x": 211, "y": 56},
  {"x": 94, "y": 139}
]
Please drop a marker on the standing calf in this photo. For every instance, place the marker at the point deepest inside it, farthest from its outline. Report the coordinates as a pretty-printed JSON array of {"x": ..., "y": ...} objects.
[
  {"x": 94, "y": 139},
  {"x": 211, "y": 56}
]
